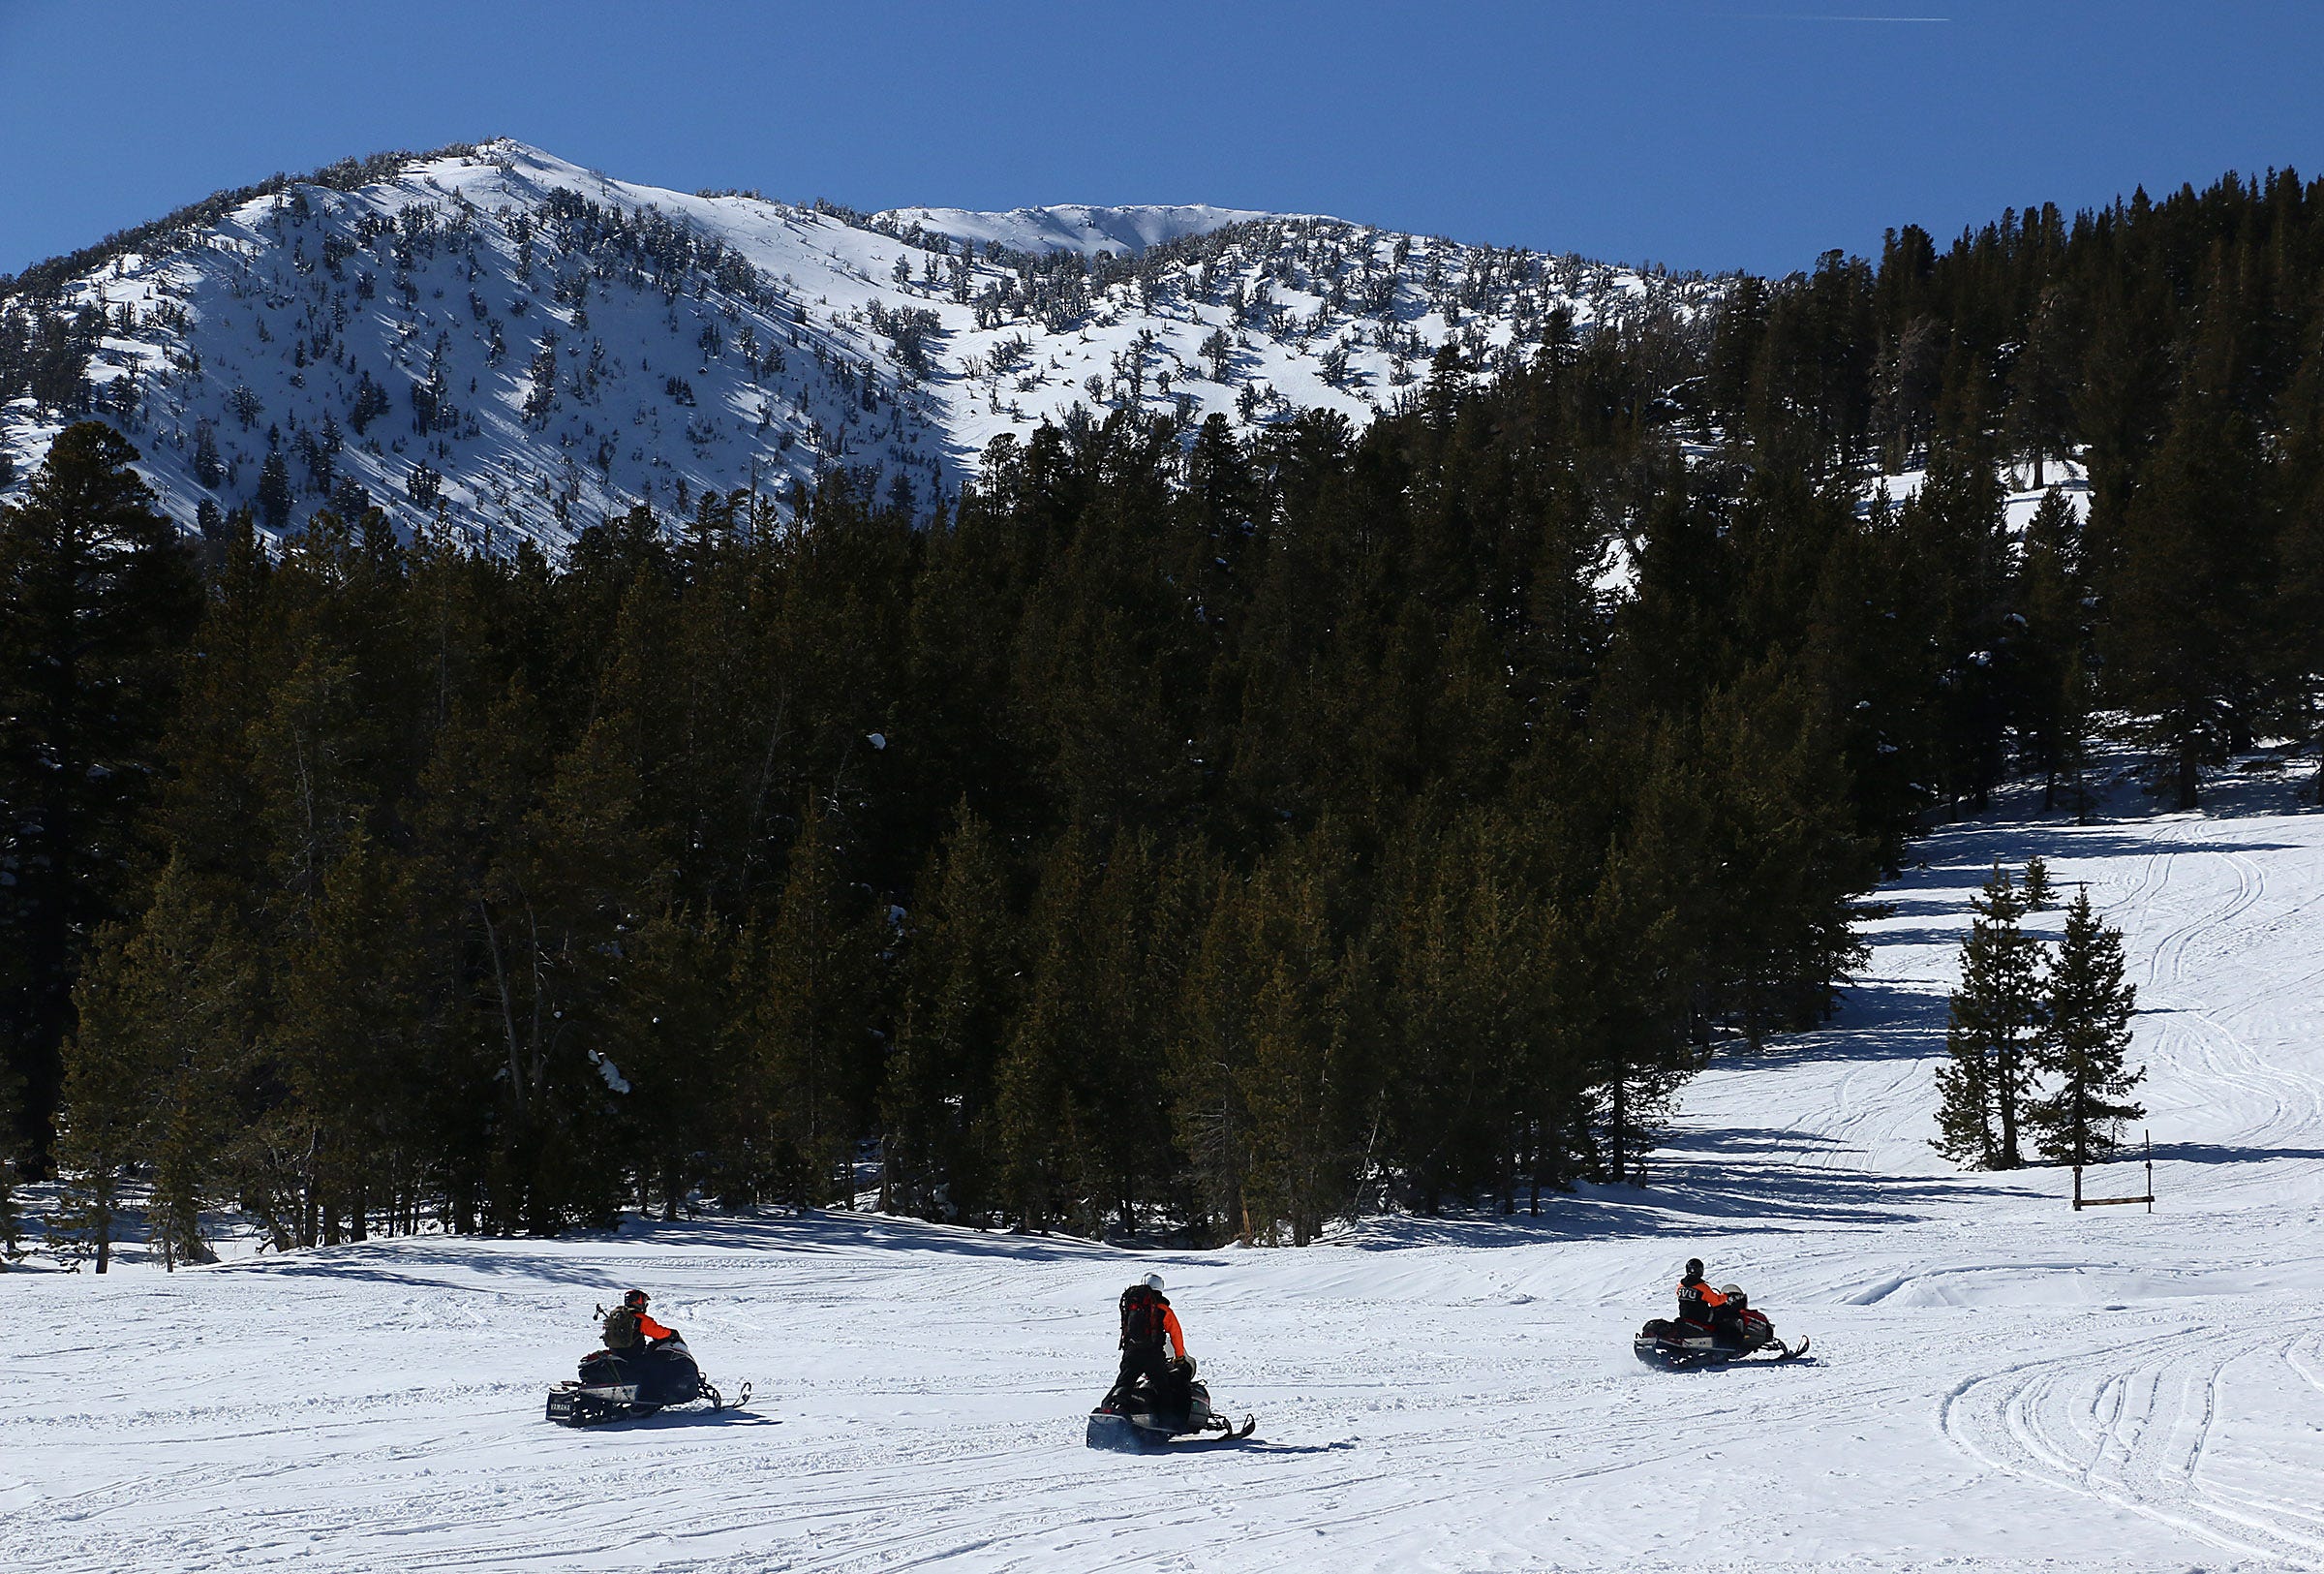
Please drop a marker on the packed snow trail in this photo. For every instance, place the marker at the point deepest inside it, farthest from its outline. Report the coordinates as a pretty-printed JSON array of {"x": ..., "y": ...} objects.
[{"x": 1997, "y": 1381}]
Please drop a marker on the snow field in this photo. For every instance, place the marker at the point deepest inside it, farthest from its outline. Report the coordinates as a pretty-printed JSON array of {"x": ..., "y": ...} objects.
[{"x": 1997, "y": 1383}]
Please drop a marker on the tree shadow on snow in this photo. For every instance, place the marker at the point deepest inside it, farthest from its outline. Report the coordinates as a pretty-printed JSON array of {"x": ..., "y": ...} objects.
[
  {"x": 1882, "y": 1020},
  {"x": 1961, "y": 857},
  {"x": 596, "y": 1259},
  {"x": 2210, "y": 1153},
  {"x": 828, "y": 1233},
  {"x": 1714, "y": 1181}
]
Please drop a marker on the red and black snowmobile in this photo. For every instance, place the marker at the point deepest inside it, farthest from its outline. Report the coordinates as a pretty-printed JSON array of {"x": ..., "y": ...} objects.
[{"x": 1737, "y": 1333}]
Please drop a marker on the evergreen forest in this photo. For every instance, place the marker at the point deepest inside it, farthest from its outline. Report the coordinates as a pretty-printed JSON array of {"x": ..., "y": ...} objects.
[{"x": 1186, "y": 829}]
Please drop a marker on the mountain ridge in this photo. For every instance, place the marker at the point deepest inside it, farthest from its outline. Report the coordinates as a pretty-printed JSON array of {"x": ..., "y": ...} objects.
[{"x": 502, "y": 344}]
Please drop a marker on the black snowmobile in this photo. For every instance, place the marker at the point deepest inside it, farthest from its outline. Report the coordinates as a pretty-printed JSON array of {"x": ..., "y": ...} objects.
[
  {"x": 621, "y": 1385},
  {"x": 1143, "y": 1423},
  {"x": 1674, "y": 1345}
]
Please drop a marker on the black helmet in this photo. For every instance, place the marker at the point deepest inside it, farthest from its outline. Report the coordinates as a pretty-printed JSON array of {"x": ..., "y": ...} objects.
[
  {"x": 633, "y": 1298},
  {"x": 1693, "y": 1267}
]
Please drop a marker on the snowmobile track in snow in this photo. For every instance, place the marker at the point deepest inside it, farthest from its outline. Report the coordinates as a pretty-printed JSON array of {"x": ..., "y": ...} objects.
[{"x": 2135, "y": 1425}]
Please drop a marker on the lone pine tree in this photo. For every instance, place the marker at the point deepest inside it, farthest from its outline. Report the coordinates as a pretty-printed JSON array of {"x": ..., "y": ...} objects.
[
  {"x": 1995, "y": 1016},
  {"x": 2086, "y": 1030}
]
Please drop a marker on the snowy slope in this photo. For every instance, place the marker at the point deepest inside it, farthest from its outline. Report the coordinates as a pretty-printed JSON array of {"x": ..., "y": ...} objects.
[
  {"x": 2069, "y": 477},
  {"x": 549, "y": 344},
  {"x": 1997, "y": 1383},
  {"x": 1073, "y": 227}
]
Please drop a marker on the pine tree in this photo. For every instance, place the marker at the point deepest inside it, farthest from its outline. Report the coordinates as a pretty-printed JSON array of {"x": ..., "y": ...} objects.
[
  {"x": 555, "y": 906},
  {"x": 1308, "y": 1028},
  {"x": 1046, "y": 1121},
  {"x": 2183, "y": 638},
  {"x": 1954, "y": 534},
  {"x": 96, "y": 595},
  {"x": 2296, "y": 605},
  {"x": 102, "y": 1121},
  {"x": 1210, "y": 1118},
  {"x": 166, "y": 1016},
  {"x": 812, "y": 1014},
  {"x": 669, "y": 1059},
  {"x": 2039, "y": 896},
  {"x": 2086, "y": 1028},
  {"x": 1785, "y": 862},
  {"x": 274, "y": 496},
  {"x": 1135, "y": 937},
  {"x": 2041, "y": 381},
  {"x": 12, "y": 1217},
  {"x": 1994, "y": 1014},
  {"x": 1646, "y": 961},
  {"x": 2051, "y": 708},
  {"x": 958, "y": 989},
  {"x": 1468, "y": 955},
  {"x": 1965, "y": 1111},
  {"x": 352, "y": 1007}
]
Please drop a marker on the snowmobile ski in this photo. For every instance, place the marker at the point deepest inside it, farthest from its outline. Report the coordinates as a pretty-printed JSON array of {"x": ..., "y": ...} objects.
[{"x": 742, "y": 1397}]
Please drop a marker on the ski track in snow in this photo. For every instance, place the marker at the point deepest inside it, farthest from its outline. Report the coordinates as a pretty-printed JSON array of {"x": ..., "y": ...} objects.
[
  {"x": 2137, "y": 1426},
  {"x": 1996, "y": 1382}
]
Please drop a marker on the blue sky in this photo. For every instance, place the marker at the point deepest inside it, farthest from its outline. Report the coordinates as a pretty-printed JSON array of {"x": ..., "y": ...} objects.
[{"x": 1695, "y": 132}]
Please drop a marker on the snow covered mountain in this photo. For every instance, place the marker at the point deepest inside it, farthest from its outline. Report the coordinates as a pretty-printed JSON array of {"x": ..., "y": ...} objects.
[{"x": 511, "y": 346}]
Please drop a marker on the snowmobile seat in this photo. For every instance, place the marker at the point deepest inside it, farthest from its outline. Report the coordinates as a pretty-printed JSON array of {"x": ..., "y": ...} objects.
[{"x": 663, "y": 1373}]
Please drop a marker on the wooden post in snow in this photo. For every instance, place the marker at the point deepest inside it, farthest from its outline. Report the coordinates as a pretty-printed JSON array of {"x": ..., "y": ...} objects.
[{"x": 2081, "y": 1202}]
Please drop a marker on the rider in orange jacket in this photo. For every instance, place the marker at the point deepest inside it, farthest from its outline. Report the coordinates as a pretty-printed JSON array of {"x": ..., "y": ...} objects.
[
  {"x": 1697, "y": 1302},
  {"x": 627, "y": 1324},
  {"x": 1148, "y": 1323}
]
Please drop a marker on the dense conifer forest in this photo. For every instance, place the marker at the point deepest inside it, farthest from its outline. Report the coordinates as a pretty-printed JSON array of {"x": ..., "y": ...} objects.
[{"x": 1184, "y": 831}]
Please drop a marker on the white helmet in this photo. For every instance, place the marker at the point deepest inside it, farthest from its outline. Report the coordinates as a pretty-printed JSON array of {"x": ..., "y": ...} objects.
[
  {"x": 1152, "y": 1281},
  {"x": 1730, "y": 1289}
]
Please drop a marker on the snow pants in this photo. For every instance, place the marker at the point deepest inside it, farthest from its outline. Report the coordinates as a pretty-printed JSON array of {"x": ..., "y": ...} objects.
[{"x": 1166, "y": 1392}]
